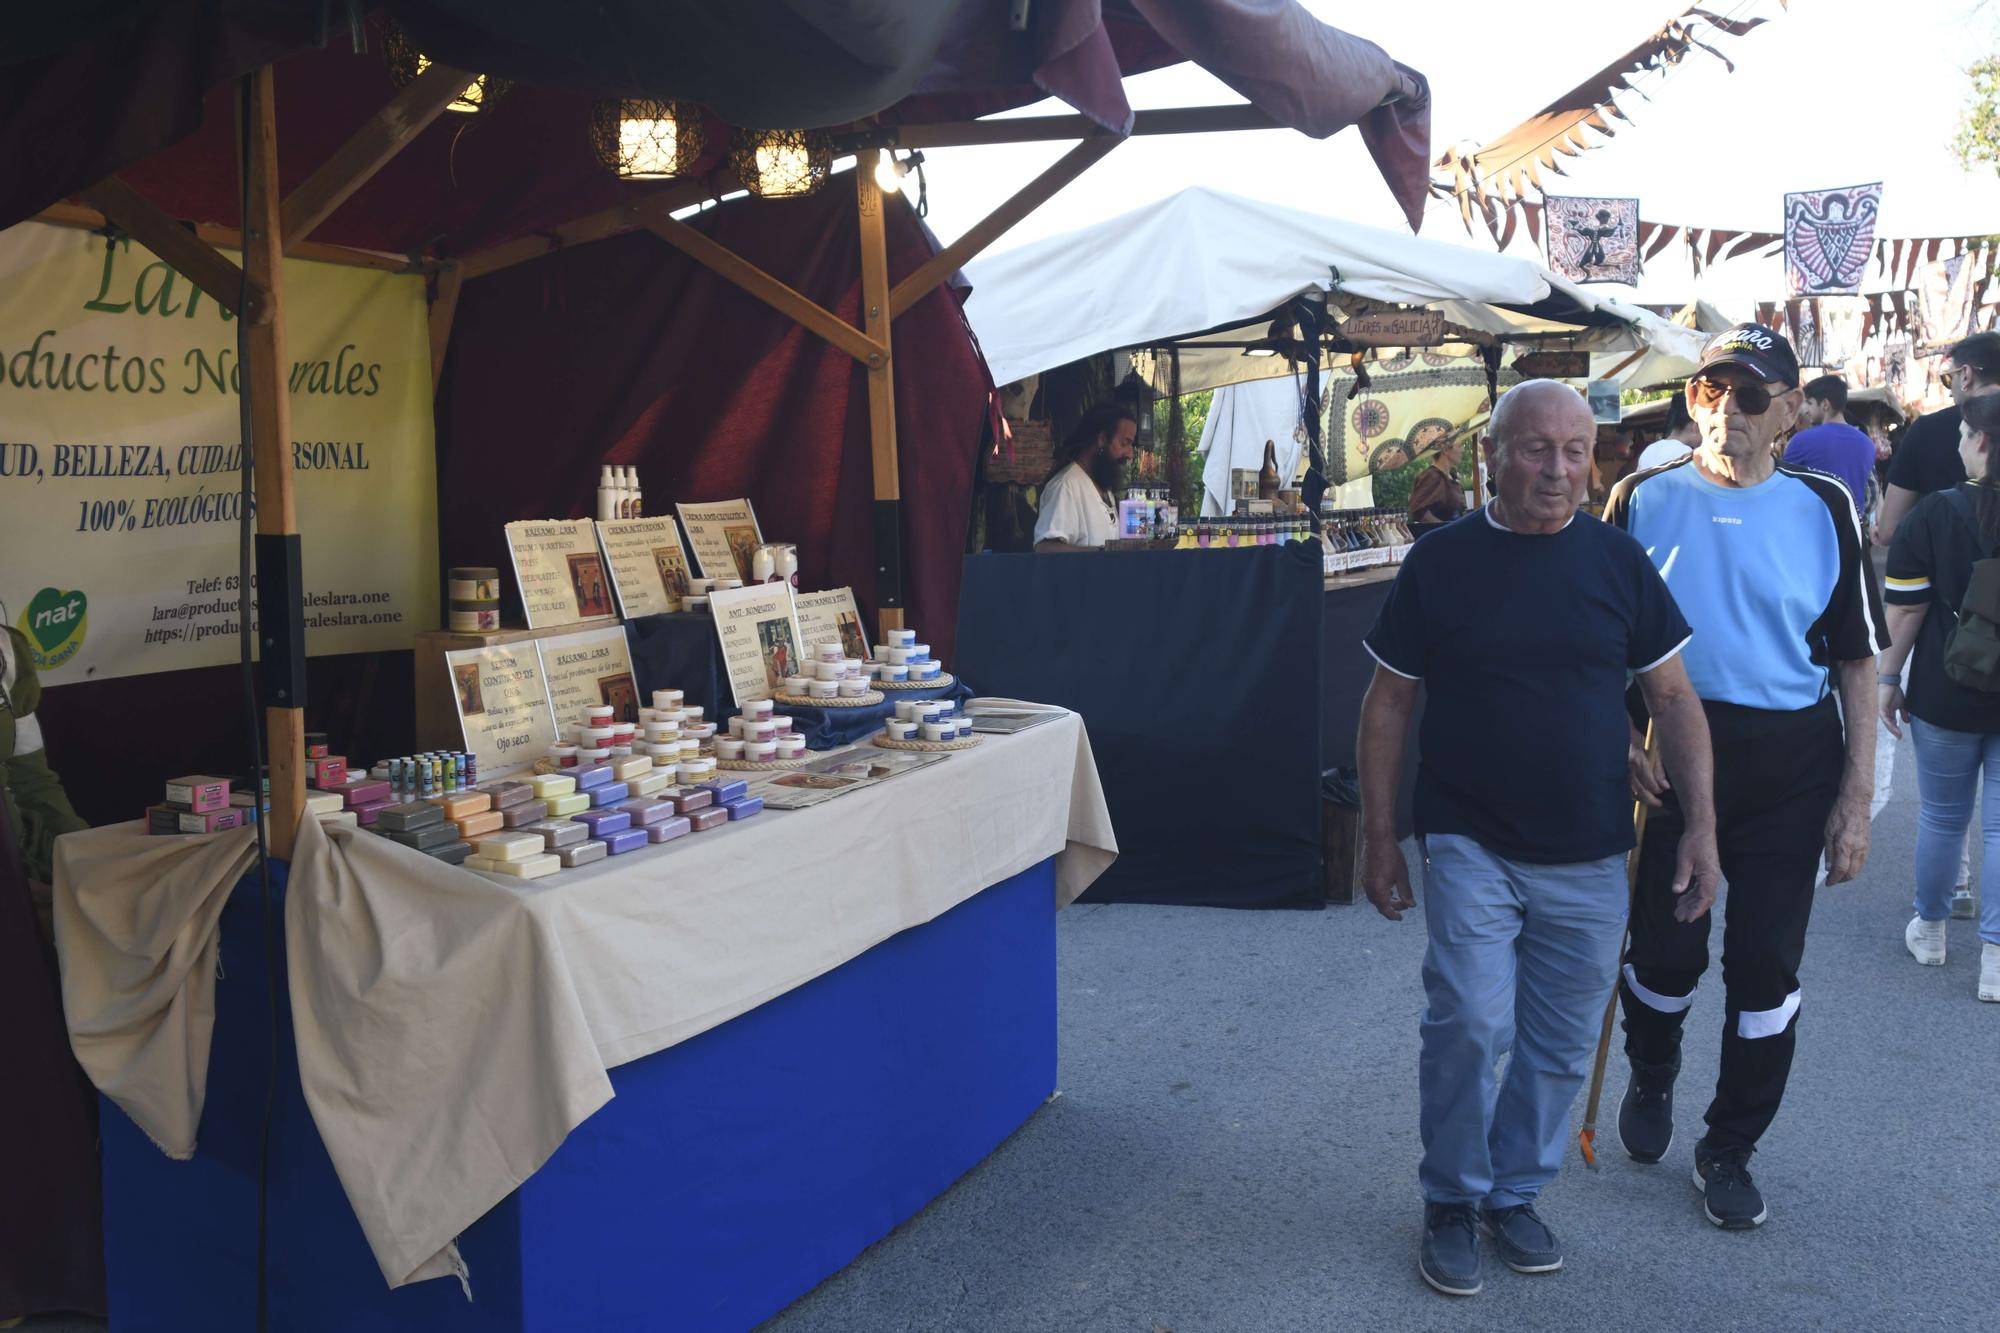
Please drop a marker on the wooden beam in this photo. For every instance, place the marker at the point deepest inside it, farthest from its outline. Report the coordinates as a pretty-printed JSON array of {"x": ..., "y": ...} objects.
[
  {"x": 443, "y": 307},
  {"x": 598, "y": 226},
  {"x": 996, "y": 224},
  {"x": 228, "y": 238},
  {"x": 379, "y": 139},
  {"x": 881, "y": 398},
  {"x": 1037, "y": 129},
  {"x": 189, "y": 255},
  {"x": 816, "y": 318},
  {"x": 265, "y": 380}
]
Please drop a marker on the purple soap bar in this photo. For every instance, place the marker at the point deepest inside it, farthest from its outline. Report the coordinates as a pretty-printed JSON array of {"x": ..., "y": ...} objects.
[
  {"x": 668, "y": 829},
  {"x": 597, "y": 775},
  {"x": 647, "y": 813},
  {"x": 507, "y": 795},
  {"x": 687, "y": 802},
  {"x": 707, "y": 817},
  {"x": 520, "y": 816},
  {"x": 611, "y": 793},
  {"x": 363, "y": 814},
  {"x": 368, "y": 793},
  {"x": 745, "y": 807},
  {"x": 727, "y": 791},
  {"x": 604, "y": 822},
  {"x": 625, "y": 840}
]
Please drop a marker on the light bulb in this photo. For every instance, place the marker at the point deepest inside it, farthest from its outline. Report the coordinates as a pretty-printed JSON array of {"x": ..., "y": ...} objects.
[
  {"x": 889, "y": 172},
  {"x": 648, "y": 149}
]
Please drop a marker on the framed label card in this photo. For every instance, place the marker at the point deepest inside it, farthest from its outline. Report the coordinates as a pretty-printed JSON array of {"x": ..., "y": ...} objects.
[
  {"x": 503, "y": 704},
  {"x": 588, "y": 669},
  {"x": 724, "y": 537},
  {"x": 831, "y": 617},
  {"x": 759, "y": 636},
  {"x": 560, "y": 571},
  {"x": 649, "y": 568}
]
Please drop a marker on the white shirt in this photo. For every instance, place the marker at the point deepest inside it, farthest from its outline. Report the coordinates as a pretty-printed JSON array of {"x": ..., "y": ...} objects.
[
  {"x": 1075, "y": 511},
  {"x": 1662, "y": 452}
]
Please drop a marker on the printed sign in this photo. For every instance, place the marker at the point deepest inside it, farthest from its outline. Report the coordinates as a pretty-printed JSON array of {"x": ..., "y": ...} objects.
[
  {"x": 723, "y": 536},
  {"x": 120, "y": 470},
  {"x": 759, "y": 636},
  {"x": 588, "y": 669},
  {"x": 828, "y": 617},
  {"x": 560, "y": 571},
  {"x": 503, "y": 704},
  {"x": 1394, "y": 328},
  {"x": 649, "y": 570}
]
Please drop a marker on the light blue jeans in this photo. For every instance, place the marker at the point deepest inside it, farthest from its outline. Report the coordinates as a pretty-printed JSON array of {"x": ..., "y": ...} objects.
[
  {"x": 1522, "y": 958},
  {"x": 1949, "y": 764}
]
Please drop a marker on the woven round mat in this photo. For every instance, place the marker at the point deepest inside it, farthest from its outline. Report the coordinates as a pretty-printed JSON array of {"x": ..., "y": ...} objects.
[
  {"x": 868, "y": 700},
  {"x": 944, "y": 678},
  {"x": 882, "y": 739},
  {"x": 764, "y": 765}
]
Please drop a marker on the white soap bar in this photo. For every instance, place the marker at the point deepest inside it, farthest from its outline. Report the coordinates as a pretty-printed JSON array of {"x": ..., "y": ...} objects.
[
  {"x": 347, "y": 817},
  {"x": 632, "y": 766},
  {"x": 528, "y": 867},
  {"x": 324, "y": 802},
  {"x": 510, "y": 846},
  {"x": 657, "y": 780}
]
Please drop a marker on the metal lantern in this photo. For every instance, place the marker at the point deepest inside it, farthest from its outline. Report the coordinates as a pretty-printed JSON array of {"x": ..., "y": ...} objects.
[
  {"x": 641, "y": 139},
  {"x": 781, "y": 164},
  {"x": 406, "y": 63}
]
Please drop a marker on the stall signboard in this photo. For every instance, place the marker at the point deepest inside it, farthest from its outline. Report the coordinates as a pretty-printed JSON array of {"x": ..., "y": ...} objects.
[
  {"x": 831, "y": 617},
  {"x": 759, "y": 636},
  {"x": 649, "y": 567},
  {"x": 1553, "y": 365},
  {"x": 503, "y": 704},
  {"x": 560, "y": 571},
  {"x": 120, "y": 471},
  {"x": 724, "y": 537},
  {"x": 1393, "y": 328},
  {"x": 585, "y": 670}
]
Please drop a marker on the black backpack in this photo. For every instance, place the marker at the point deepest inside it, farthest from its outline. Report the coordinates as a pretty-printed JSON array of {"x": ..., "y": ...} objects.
[{"x": 1972, "y": 646}]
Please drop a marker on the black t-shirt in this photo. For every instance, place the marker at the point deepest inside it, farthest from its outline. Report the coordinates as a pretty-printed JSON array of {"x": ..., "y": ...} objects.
[
  {"x": 1930, "y": 562},
  {"x": 1927, "y": 460},
  {"x": 1524, "y": 644}
]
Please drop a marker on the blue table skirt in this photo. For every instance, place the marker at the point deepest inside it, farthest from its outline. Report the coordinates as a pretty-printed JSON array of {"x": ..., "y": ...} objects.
[{"x": 730, "y": 1175}]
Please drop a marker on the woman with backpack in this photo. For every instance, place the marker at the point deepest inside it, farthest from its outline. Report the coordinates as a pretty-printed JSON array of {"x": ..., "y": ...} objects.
[{"x": 1942, "y": 590}]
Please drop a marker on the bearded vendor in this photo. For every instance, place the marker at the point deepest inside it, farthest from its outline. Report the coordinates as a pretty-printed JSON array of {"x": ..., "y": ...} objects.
[
  {"x": 51, "y": 1229},
  {"x": 1079, "y": 508}
]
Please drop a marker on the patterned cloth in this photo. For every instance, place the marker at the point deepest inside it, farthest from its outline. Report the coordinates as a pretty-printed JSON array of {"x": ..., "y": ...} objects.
[
  {"x": 1829, "y": 236},
  {"x": 1594, "y": 240},
  {"x": 1413, "y": 403}
]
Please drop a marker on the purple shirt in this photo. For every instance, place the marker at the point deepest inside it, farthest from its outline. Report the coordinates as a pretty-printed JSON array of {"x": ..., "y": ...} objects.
[{"x": 1839, "y": 450}]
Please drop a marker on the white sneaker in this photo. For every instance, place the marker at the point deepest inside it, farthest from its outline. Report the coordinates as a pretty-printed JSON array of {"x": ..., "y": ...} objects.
[
  {"x": 1926, "y": 941},
  {"x": 1989, "y": 972}
]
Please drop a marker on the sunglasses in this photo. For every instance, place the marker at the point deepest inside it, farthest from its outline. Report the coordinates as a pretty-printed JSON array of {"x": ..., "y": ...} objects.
[{"x": 1754, "y": 399}]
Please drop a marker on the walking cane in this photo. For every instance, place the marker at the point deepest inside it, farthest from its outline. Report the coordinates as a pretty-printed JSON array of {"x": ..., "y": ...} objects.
[{"x": 1587, "y": 1139}]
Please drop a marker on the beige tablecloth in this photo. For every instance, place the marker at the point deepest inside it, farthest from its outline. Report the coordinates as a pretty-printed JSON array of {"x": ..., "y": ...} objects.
[{"x": 452, "y": 1029}]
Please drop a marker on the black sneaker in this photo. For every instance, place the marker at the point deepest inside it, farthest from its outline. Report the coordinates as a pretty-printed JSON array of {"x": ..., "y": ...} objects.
[
  {"x": 1524, "y": 1241},
  {"x": 1728, "y": 1197},
  {"x": 1646, "y": 1116},
  {"x": 1449, "y": 1257}
]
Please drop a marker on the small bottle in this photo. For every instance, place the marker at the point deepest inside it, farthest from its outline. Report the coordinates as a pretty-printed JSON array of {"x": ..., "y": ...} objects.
[
  {"x": 636, "y": 501},
  {"x": 607, "y": 495}
]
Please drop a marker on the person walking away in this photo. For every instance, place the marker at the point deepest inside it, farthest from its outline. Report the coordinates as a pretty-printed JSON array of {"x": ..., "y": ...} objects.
[
  {"x": 1768, "y": 562},
  {"x": 1953, "y": 713},
  {"x": 1678, "y": 442},
  {"x": 1523, "y": 625},
  {"x": 1437, "y": 499},
  {"x": 1828, "y": 444}
]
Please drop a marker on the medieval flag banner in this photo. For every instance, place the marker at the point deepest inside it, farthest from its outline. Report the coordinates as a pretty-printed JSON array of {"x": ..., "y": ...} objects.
[
  {"x": 1829, "y": 237},
  {"x": 1593, "y": 240}
]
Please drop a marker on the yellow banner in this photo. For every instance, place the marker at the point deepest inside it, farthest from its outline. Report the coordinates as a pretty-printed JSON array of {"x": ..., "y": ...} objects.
[{"x": 119, "y": 458}]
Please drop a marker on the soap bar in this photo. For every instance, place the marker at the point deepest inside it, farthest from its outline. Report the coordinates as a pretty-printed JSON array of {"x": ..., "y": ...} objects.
[
  {"x": 369, "y": 792},
  {"x": 675, "y": 826},
  {"x": 630, "y": 767},
  {"x": 530, "y": 867},
  {"x": 477, "y": 825},
  {"x": 727, "y": 790},
  {"x": 337, "y": 817},
  {"x": 410, "y": 815},
  {"x": 511, "y": 846},
  {"x": 624, "y": 840},
  {"x": 691, "y": 800},
  {"x": 324, "y": 802},
  {"x": 327, "y": 773},
  {"x": 604, "y": 822},
  {"x": 204, "y": 821},
  {"x": 745, "y": 807},
  {"x": 507, "y": 795},
  {"x": 645, "y": 813},
  {"x": 611, "y": 793},
  {"x": 451, "y": 853},
  {"x": 547, "y": 785},
  {"x": 707, "y": 817},
  {"x": 520, "y": 816},
  {"x": 199, "y": 793},
  {"x": 462, "y": 803},
  {"x": 425, "y": 838},
  {"x": 654, "y": 781},
  {"x": 557, "y": 834},
  {"x": 582, "y": 853},
  {"x": 597, "y": 775},
  {"x": 365, "y": 815},
  {"x": 560, "y": 806}
]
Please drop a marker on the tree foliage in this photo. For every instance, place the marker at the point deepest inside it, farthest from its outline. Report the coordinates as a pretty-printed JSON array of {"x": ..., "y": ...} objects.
[{"x": 1977, "y": 142}]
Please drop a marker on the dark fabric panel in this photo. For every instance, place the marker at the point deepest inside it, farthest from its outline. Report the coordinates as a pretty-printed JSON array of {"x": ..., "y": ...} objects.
[
  {"x": 680, "y": 652},
  {"x": 1350, "y": 613},
  {"x": 1198, "y": 677}
]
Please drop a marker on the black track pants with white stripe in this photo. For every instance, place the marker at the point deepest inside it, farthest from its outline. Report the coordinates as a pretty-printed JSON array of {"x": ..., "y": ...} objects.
[{"x": 1776, "y": 778}]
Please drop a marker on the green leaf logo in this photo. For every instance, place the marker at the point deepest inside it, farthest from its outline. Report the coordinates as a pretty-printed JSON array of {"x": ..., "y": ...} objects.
[{"x": 54, "y": 623}]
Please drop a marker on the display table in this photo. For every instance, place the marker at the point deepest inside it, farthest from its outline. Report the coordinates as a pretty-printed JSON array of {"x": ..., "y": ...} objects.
[{"x": 814, "y": 1021}]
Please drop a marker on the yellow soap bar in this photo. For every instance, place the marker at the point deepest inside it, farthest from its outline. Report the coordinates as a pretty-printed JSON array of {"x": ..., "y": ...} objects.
[
  {"x": 528, "y": 867},
  {"x": 552, "y": 784},
  {"x": 347, "y": 817},
  {"x": 324, "y": 802},
  {"x": 648, "y": 783},
  {"x": 511, "y": 846},
  {"x": 481, "y": 822},
  {"x": 630, "y": 766},
  {"x": 571, "y": 803},
  {"x": 462, "y": 803}
]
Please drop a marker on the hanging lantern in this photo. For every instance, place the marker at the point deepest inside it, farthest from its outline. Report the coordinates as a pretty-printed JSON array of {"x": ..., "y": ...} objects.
[
  {"x": 406, "y": 63},
  {"x": 640, "y": 139},
  {"x": 781, "y": 164}
]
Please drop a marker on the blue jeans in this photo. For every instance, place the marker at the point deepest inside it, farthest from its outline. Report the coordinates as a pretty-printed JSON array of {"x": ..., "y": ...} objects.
[
  {"x": 1949, "y": 764},
  {"x": 1522, "y": 957}
]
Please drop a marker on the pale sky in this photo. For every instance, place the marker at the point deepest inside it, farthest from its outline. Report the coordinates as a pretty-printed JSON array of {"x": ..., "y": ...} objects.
[{"x": 1831, "y": 93}]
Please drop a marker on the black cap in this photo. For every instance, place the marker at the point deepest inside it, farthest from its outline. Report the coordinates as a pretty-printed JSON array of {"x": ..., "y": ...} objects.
[{"x": 1765, "y": 354}]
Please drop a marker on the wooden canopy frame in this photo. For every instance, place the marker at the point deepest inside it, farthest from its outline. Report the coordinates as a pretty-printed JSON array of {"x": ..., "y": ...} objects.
[{"x": 275, "y": 227}]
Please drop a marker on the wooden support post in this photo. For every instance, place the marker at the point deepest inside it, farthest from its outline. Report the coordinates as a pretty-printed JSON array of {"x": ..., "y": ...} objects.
[
  {"x": 265, "y": 380},
  {"x": 229, "y": 238},
  {"x": 881, "y": 397},
  {"x": 186, "y": 253},
  {"x": 802, "y": 309},
  {"x": 1038, "y": 129},
  {"x": 379, "y": 139},
  {"x": 443, "y": 307}
]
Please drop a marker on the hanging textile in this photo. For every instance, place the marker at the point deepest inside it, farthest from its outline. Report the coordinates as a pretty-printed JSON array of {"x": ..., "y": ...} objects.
[
  {"x": 1593, "y": 240},
  {"x": 1829, "y": 236}
]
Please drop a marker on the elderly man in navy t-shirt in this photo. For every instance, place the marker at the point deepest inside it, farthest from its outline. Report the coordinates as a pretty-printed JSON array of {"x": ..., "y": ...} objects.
[{"x": 1524, "y": 627}]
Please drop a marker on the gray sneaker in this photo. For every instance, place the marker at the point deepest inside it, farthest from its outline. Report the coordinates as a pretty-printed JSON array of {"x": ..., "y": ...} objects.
[
  {"x": 1524, "y": 1241},
  {"x": 1449, "y": 1257}
]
